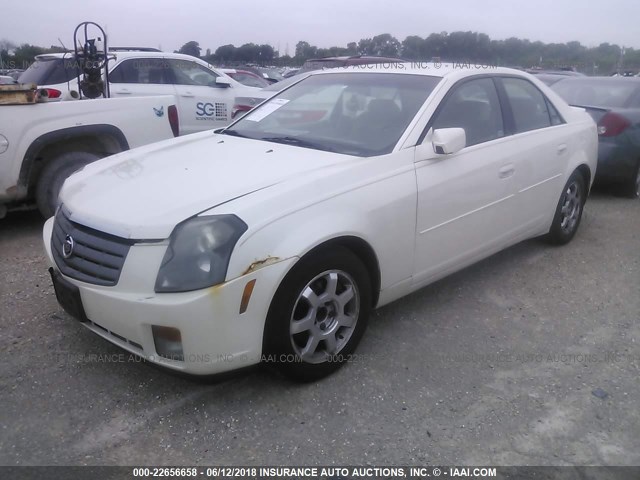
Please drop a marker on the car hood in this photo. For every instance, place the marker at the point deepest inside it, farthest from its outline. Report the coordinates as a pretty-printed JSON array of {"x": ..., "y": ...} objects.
[{"x": 144, "y": 193}]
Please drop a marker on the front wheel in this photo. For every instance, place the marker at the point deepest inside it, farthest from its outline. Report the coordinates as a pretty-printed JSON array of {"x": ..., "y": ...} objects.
[
  {"x": 318, "y": 315},
  {"x": 569, "y": 210},
  {"x": 54, "y": 174}
]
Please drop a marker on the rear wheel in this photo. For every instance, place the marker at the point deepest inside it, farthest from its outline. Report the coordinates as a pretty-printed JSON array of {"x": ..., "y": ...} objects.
[
  {"x": 633, "y": 185},
  {"x": 54, "y": 174},
  {"x": 318, "y": 315},
  {"x": 568, "y": 211}
]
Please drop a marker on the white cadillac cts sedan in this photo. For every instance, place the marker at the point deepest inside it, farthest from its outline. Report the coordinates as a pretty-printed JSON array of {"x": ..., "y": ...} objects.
[{"x": 272, "y": 240}]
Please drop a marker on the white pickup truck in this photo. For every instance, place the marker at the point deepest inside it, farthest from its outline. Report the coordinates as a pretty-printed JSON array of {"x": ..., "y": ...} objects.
[{"x": 42, "y": 144}]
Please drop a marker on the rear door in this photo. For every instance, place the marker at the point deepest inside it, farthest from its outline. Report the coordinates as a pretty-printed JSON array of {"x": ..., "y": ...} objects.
[
  {"x": 545, "y": 144},
  {"x": 203, "y": 104},
  {"x": 139, "y": 77}
]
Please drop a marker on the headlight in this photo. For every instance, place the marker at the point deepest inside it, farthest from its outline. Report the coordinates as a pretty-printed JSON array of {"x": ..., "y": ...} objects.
[{"x": 198, "y": 253}]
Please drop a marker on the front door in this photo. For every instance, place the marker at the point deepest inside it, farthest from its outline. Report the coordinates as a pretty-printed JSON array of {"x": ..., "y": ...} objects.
[
  {"x": 466, "y": 199},
  {"x": 203, "y": 104}
]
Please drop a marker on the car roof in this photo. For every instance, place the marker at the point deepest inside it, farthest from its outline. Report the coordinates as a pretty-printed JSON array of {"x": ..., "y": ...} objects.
[
  {"x": 565, "y": 73},
  {"x": 125, "y": 54},
  {"x": 603, "y": 80},
  {"x": 448, "y": 69},
  {"x": 354, "y": 57}
]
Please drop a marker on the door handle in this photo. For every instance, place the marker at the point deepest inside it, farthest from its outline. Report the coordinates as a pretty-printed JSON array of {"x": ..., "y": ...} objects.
[
  {"x": 507, "y": 171},
  {"x": 186, "y": 94},
  {"x": 562, "y": 148},
  {"x": 123, "y": 91}
]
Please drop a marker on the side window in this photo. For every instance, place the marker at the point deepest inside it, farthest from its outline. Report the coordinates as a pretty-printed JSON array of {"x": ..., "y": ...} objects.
[
  {"x": 555, "y": 117},
  {"x": 141, "y": 70},
  {"x": 121, "y": 73},
  {"x": 474, "y": 106},
  {"x": 192, "y": 73},
  {"x": 529, "y": 106}
]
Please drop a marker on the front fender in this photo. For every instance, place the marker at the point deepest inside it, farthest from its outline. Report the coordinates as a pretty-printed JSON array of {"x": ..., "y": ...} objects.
[{"x": 381, "y": 213}]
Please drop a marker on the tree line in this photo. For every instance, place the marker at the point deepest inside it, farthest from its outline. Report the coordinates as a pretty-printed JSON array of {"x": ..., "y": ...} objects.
[{"x": 455, "y": 46}]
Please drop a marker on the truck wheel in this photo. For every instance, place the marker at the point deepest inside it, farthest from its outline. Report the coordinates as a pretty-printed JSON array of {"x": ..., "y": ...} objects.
[{"x": 54, "y": 174}]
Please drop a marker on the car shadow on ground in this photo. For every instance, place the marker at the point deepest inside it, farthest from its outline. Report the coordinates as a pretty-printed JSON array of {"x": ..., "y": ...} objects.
[{"x": 20, "y": 222}]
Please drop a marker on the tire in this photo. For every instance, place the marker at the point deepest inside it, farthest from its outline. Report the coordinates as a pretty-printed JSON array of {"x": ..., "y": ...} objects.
[
  {"x": 632, "y": 188},
  {"x": 53, "y": 175},
  {"x": 569, "y": 211},
  {"x": 330, "y": 291}
]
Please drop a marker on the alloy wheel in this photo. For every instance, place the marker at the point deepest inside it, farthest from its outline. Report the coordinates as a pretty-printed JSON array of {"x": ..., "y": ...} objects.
[
  {"x": 324, "y": 316},
  {"x": 571, "y": 205}
]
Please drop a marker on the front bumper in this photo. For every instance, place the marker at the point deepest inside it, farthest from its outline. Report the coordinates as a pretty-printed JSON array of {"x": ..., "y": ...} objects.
[{"x": 215, "y": 336}]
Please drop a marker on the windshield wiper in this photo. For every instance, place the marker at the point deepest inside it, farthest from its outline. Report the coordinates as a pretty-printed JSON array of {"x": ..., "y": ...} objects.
[
  {"x": 234, "y": 133},
  {"x": 297, "y": 142}
]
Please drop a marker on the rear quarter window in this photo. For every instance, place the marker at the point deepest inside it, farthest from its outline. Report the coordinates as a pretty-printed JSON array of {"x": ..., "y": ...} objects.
[{"x": 51, "y": 71}]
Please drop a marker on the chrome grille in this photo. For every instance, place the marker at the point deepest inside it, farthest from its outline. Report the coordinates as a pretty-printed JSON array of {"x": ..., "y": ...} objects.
[{"x": 96, "y": 257}]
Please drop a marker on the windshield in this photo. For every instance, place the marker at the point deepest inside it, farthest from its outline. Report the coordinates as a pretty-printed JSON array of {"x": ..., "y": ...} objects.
[
  {"x": 361, "y": 114},
  {"x": 611, "y": 93}
]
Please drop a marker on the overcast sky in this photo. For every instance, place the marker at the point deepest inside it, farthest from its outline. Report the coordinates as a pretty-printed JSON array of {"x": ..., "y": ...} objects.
[{"x": 282, "y": 23}]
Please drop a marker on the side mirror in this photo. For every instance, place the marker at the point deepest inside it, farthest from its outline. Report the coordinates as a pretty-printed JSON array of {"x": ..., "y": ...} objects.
[
  {"x": 448, "y": 140},
  {"x": 223, "y": 82}
]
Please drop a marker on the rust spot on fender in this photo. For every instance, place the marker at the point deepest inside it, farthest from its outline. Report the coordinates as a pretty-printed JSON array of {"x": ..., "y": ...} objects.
[{"x": 258, "y": 264}]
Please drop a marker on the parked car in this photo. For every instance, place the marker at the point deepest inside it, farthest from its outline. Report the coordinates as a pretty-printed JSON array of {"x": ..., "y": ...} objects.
[
  {"x": 205, "y": 95},
  {"x": 247, "y": 103},
  {"x": 7, "y": 80},
  {"x": 564, "y": 73},
  {"x": 271, "y": 75},
  {"x": 552, "y": 76},
  {"x": 13, "y": 73},
  {"x": 272, "y": 240},
  {"x": 246, "y": 77},
  {"x": 614, "y": 103},
  {"x": 290, "y": 72},
  {"x": 43, "y": 143},
  {"x": 625, "y": 73}
]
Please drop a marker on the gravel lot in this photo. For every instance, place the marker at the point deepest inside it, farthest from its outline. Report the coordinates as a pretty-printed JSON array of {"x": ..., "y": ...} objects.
[{"x": 531, "y": 357}]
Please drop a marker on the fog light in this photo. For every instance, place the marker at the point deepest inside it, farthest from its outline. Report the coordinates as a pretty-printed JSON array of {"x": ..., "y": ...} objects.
[{"x": 168, "y": 342}]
